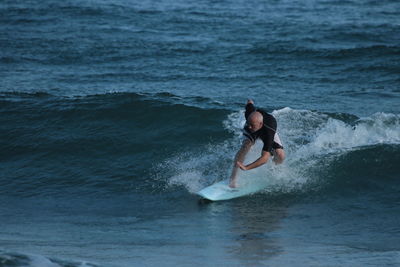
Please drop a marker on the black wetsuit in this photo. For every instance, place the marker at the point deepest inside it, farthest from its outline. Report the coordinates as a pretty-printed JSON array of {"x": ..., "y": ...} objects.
[{"x": 266, "y": 133}]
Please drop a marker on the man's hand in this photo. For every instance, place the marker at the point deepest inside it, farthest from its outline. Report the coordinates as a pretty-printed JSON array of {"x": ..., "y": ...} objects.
[
  {"x": 250, "y": 101},
  {"x": 241, "y": 166},
  {"x": 260, "y": 161}
]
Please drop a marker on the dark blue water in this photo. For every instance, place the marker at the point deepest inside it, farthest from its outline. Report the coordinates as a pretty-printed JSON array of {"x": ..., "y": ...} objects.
[{"x": 113, "y": 114}]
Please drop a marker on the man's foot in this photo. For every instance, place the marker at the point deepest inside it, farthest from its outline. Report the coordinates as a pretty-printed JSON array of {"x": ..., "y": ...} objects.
[{"x": 233, "y": 184}]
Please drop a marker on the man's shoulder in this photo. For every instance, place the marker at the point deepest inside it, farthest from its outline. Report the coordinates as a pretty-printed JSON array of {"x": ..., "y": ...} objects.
[{"x": 267, "y": 117}]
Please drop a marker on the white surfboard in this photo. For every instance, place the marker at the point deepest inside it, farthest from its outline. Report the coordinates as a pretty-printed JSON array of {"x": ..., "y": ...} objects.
[{"x": 222, "y": 191}]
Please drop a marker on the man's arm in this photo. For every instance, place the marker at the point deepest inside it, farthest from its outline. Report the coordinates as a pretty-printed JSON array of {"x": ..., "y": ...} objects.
[
  {"x": 250, "y": 108},
  {"x": 260, "y": 161},
  {"x": 240, "y": 155}
]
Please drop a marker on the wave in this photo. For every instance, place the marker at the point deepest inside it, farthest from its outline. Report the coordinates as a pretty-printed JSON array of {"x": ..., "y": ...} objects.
[
  {"x": 34, "y": 260},
  {"x": 328, "y": 53},
  {"x": 127, "y": 142},
  {"x": 100, "y": 141},
  {"x": 49, "y": 119},
  {"x": 318, "y": 146}
]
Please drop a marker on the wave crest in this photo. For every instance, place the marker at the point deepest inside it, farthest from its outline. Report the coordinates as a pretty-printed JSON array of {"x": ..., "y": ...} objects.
[{"x": 312, "y": 141}]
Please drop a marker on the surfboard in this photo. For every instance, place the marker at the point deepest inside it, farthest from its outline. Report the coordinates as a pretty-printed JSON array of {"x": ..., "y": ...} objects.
[{"x": 222, "y": 191}]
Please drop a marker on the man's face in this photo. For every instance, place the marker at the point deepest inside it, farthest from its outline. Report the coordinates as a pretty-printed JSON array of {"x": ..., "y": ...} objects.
[{"x": 254, "y": 125}]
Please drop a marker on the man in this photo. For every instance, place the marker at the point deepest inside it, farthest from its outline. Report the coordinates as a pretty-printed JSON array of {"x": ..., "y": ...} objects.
[{"x": 259, "y": 124}]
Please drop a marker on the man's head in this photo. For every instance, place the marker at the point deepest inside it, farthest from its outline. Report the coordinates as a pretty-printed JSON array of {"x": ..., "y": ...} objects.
[{"x": 255, "y": 121}]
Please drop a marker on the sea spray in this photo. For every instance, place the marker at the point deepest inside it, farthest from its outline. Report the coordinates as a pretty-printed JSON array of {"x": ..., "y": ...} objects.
[{"x": 312, "y": 140}]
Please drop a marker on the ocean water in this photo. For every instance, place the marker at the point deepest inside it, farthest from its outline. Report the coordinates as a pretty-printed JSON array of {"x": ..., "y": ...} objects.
[{"x": 113, "y": 114}]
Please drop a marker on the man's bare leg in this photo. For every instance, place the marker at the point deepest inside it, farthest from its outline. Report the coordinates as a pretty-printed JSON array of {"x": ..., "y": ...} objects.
[
  {"x": 240, "y": 155},
  {"x": 279, "y": 156}
]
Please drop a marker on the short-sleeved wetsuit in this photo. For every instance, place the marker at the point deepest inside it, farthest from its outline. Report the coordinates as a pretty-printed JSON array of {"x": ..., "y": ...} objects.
[{"x": 267, "y": 133}]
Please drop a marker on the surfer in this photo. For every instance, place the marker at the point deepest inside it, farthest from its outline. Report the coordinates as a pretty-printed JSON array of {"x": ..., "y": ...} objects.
[{"x": 259, "y": 124}]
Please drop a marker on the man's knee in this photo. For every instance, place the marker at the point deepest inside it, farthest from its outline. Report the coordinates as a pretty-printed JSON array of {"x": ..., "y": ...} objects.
[{"x": 279, "y": 156}]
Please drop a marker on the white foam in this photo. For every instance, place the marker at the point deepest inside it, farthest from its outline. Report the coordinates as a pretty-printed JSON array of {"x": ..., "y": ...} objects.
[
  {"x": 310, "y": 139},
  {"x": 40, "y": 261},
  {"x": 335, "y": 135},
  {"x": 36, "y": 260}
]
